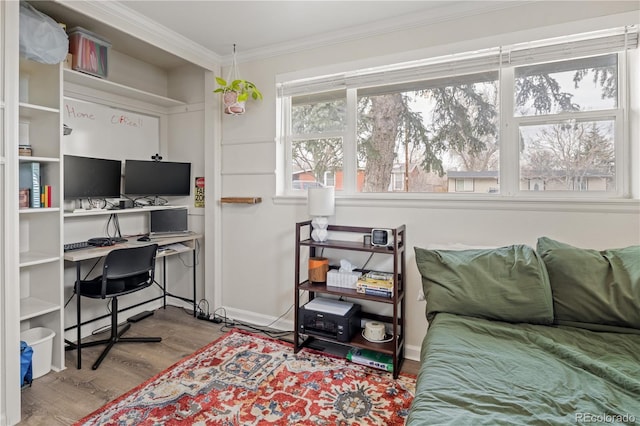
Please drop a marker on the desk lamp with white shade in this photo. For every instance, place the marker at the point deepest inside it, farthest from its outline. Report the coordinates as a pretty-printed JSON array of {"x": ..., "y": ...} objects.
[{"x": 321, "y": 203}]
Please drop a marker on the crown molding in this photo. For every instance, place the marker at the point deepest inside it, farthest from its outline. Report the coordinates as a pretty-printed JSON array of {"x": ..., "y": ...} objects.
[
  {"x": 447, "y": 12},
  {"x": 141, "y": 27}
]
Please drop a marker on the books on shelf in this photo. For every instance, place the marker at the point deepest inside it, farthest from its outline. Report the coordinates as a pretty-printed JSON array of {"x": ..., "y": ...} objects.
[
  {"x": 32, "y": 193},
  {"x": 376, "y": 283},
  {"x": 375, "y": 277},
  {"x": 375, "y": 292},
  {"x": 45, "y": 196},
  {"x": 371, "y": 358},
  {"x": 29, "y": 178}
]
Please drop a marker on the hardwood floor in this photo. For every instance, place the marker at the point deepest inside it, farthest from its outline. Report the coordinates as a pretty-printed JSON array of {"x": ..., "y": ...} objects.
[{"x": 60, "y": 398}]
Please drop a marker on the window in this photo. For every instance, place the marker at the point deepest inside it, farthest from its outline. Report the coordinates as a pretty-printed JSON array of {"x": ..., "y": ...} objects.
[
  {"x": 438, "y": 126},
  {"x": 317, "y": 133},
  {"x": 566, "y": 113},
  {"x": 398, "y": 179},
  {"x": 330, "y": 178},
  {"x": 464, "y": 185},
  {"x": 430, "y": 127}
]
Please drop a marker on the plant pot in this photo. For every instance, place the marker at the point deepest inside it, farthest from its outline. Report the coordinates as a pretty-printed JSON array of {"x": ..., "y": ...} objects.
[{"x": 231, "y": 103}]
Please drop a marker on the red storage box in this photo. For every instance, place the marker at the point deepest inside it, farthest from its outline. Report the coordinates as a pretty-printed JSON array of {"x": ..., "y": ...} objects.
[{"x": 89, "y": 52}]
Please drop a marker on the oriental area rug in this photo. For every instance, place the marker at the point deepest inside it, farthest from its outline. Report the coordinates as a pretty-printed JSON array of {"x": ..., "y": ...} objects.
[{"x": 245, "y": 379}]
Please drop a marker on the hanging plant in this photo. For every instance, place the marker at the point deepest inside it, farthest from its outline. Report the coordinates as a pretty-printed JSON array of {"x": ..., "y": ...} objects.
[{"x": 236, "y": 91}]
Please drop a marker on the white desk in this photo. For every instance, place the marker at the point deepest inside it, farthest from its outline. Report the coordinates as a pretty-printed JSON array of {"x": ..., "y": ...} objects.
[
  {"x": 96, "y": 252},
  {"x": 77, "y": 256}
]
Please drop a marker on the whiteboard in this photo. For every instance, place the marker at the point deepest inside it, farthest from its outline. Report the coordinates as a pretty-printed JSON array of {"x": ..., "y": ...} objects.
[{"x": 101, "y": 131}]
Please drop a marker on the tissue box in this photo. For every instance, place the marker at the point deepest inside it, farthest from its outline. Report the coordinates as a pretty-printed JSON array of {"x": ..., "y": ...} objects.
[{"x": 336, "y": 278}]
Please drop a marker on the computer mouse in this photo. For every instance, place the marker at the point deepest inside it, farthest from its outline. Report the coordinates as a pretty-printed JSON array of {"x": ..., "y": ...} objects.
[{"x": 144, "y": 238}]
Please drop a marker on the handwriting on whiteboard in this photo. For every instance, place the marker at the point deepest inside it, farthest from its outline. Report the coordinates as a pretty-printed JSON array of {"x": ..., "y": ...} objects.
[
  {"x": 125, "y": 120},
  {"x": 76, "y": 113},
  {"x": 116, "y": 119}
]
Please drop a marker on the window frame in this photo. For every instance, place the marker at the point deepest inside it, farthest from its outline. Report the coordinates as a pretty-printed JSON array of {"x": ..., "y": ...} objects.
[
  {"x": 621, "y": 139},
  {"x": 508, "y": 125}
]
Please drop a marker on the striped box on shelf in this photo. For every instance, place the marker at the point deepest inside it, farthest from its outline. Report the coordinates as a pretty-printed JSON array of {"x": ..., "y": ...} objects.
[{"x": 30, "y": 179}]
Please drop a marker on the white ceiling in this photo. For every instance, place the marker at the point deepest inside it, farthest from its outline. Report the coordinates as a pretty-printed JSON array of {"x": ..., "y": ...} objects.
[
  {"x": 261, "y": 28},
  {"x": 268, "y": 25}
]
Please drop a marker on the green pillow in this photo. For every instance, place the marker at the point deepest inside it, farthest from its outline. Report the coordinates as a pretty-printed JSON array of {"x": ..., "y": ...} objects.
[
  {"x": 591, "y": 286},
  {"x": 505, "y": 283}
]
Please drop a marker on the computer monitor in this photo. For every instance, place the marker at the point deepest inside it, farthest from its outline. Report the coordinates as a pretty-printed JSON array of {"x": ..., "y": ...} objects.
[
  {"x": 168, "y": 222},
  {"x": 86, "y": 177},
  {"x": 157, "y": 178}
]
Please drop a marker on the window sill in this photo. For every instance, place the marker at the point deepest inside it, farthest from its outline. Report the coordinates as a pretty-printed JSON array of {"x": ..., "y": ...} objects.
[{"x": 476, "y": 202}]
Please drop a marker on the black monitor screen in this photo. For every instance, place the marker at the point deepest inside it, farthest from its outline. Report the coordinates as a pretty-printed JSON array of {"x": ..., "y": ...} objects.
[
  {"x": 86, "y": 177},
  {"x": 168, "y": 221},
  {"x": 156, "y": 178}
]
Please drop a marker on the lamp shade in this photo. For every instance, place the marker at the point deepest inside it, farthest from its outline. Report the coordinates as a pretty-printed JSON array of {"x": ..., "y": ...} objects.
[{"x": 321, "y": 201}]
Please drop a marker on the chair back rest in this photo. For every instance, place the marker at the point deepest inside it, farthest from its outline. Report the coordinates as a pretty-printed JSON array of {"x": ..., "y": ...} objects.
[{"x": 129, "y": 262}]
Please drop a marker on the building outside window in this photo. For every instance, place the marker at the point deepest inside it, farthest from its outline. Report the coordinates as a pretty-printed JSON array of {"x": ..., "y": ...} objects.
[
  {"x": 330, "y": 178},
  {"x": 552, "y": 110}
]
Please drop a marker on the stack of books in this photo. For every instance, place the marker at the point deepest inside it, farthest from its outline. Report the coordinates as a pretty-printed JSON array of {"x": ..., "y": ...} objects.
[
  {"x": 45, "y": 196},
  {"x": 376, "y": 284}
]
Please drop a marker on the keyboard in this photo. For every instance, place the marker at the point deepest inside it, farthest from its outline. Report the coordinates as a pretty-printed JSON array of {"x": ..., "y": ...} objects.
[{"x": 76, "y": 246}]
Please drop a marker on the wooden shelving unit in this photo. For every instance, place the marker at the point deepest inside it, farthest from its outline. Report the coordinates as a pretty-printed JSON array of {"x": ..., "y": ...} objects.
[{"x": 395, "y": 347}]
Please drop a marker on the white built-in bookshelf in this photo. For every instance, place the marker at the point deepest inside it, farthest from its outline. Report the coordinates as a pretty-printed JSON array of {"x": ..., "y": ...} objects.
[{"x": 40, "y": 228}]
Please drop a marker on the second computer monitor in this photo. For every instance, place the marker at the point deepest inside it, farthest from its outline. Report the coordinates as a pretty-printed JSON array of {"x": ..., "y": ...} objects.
[{"x": 157, "y": 178}]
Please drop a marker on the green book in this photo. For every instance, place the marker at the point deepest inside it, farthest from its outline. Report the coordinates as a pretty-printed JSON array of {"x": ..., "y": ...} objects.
[{"x": 371, "y": 358}]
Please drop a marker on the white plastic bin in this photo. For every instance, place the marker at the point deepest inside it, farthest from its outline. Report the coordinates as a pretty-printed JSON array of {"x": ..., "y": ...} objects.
[{"x": 41, "y": 340}]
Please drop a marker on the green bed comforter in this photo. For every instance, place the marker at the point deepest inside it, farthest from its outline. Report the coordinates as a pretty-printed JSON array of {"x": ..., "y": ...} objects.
[{"x": 482, "y": 372}]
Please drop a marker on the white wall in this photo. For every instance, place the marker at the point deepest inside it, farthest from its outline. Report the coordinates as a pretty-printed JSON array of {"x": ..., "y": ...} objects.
[{"x": 258, "y": 241}]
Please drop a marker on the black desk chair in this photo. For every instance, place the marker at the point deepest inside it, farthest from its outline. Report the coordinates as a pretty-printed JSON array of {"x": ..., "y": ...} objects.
[{"x": 125, "y": 271}]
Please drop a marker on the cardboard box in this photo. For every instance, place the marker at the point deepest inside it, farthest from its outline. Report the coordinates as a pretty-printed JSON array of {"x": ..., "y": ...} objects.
[
  {"x": 25, "y": 150},
  {"x": 89, "y": 52}
]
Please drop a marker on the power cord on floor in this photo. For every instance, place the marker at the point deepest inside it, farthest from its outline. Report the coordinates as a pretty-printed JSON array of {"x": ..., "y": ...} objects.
[{"x": 219, "y": 316}]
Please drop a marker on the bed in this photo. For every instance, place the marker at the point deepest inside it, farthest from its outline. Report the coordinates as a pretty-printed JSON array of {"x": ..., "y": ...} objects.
[{"x": 523, "y": 336}]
